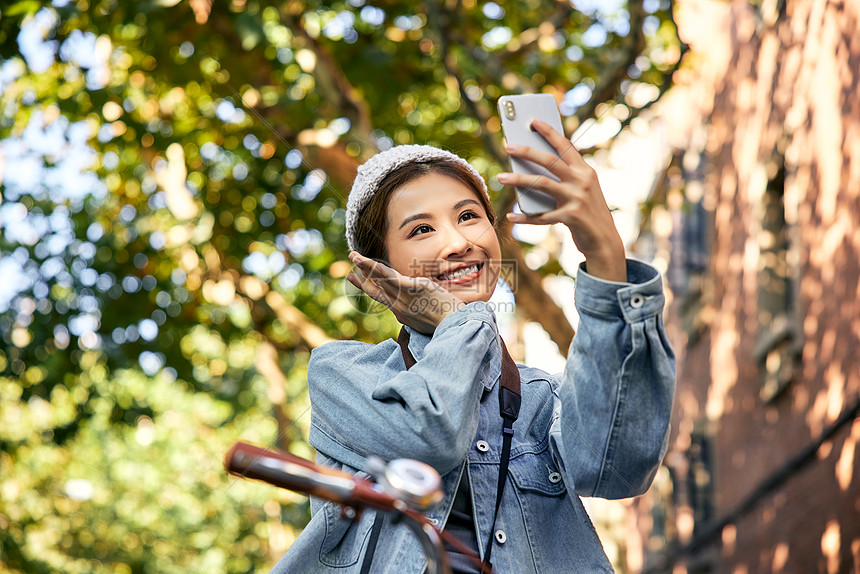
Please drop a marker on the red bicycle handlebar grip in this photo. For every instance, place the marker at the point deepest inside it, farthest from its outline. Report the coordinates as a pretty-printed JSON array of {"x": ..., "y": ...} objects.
[
  {"x": 286, "y": 470},
  {"x": 242, "y": 453},
  {"x": 289, "y": 471}
]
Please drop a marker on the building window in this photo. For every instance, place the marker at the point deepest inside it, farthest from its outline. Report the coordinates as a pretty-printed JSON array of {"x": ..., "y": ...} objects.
[
  {"x": 691, "y": 246},
  {"x": 778, "y": 342},
  {"x": 676, "y": 233},
  {"x": 700, "y": 484}
]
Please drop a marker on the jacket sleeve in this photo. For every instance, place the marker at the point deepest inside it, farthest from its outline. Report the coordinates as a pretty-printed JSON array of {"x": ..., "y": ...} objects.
[
  {"x": 364, "y": 402},
  {"x": 611, "y": 423}
]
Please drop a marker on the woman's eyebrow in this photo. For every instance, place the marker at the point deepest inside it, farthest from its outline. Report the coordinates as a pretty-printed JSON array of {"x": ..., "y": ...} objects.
[
  {"x": 457, "y": 206},
  {"x": 413, "y": 218},
  {"x": 464, "y": 202}
]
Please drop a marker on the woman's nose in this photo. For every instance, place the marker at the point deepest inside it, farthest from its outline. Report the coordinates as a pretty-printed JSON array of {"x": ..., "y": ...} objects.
[{"x": 456, "y": 244}]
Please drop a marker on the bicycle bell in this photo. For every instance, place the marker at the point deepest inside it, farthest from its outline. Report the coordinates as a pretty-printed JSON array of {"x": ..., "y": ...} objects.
[{"x": 416, "y": 483}]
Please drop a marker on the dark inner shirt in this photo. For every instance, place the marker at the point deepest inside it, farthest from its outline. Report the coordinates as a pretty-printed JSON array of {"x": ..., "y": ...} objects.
[{"x": 462, "y": 526}]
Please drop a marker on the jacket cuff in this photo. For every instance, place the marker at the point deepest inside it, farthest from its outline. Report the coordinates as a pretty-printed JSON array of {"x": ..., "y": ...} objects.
[
  {"x": 478, "y": 310},
  {"x": 640, "y": 297}
]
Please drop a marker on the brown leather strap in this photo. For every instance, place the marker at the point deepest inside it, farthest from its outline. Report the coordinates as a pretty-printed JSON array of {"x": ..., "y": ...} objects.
[
  {"x": 403, "y": 341},
  {"x": 510, "y": 380}
]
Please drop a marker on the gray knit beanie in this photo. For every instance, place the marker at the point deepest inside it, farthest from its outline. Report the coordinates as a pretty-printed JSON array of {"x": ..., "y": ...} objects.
[{"x": 374, "y": 170}]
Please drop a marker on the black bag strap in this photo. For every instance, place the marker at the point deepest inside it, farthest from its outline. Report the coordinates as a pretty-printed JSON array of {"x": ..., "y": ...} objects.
[
  {"x": 509, "y": 409},
  {"x": 371, "y": 544}
]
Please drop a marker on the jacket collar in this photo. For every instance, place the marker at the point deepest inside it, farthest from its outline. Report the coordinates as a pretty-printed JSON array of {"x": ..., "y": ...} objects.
[{"x": 418, "y": 341}]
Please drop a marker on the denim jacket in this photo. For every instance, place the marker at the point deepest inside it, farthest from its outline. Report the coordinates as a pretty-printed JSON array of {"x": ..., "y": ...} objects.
[{"x": 598, "y": 429}]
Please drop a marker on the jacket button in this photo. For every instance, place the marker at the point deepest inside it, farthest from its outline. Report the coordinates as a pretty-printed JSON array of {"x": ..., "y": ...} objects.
[
  {"x": 555, "y": 477},
  {"x": 482, "y": 446},
  {"x": 637, "y": 301},
  {"x": 500, "y": 536}
]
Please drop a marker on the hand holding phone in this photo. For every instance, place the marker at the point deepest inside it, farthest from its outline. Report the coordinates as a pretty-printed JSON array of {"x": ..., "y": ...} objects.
[
  {"x": 556, "y": 185},
  {"x": 517, "y": 114}
]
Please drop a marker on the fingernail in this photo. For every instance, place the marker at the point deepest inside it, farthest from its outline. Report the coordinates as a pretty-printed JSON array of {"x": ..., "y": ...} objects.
[
  {"x": 503, "y": 177},
  {"x": 512, "y": 148}
]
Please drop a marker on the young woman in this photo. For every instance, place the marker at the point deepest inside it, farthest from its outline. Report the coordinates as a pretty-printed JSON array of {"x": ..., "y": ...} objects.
[{"x": 422, "y": 235}]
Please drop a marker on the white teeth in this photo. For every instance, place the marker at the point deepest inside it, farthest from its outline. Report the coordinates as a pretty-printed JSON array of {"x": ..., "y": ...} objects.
[{"x": 461, "y": 272}]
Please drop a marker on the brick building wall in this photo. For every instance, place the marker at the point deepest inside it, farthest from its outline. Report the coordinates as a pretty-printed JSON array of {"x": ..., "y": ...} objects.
[{"x": 757, "y": 222}]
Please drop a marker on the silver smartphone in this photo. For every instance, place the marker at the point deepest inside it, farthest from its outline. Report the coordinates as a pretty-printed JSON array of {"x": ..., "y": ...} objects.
[{"x": 517, "y": 113}]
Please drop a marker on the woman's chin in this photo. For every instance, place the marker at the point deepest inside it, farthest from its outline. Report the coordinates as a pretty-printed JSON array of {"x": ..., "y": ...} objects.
[
  {"x": 471, "y": 292},
  {"x": 472, "y": 296}
]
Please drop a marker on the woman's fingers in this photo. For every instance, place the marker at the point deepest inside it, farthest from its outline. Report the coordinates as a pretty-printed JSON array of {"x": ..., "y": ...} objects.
[
  {"x": 386, "y": 285},
  {"x": 524, "y": 181},
  {"x": 380, "y": 273},
  {"x": 370, "y": 267},
  {"x": 371, "y": 289},
  {"x": 361, "y": 283},
  {"x": 415, "y": 301},
  {"x": 566, "y": 151},
  {"x": 549, "y": 161},
  {"x": 544, "y": 218}
]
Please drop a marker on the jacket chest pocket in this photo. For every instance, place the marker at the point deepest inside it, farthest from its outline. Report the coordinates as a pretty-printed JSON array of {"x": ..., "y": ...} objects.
[
  {"x": 557, "y": 528},
  {"x": 537, "y": 473},
  {"x": 344, "y": 538}
]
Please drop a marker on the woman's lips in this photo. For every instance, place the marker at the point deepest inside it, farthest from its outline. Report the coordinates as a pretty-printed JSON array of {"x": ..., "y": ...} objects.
[{"x": 463, "y": 279}]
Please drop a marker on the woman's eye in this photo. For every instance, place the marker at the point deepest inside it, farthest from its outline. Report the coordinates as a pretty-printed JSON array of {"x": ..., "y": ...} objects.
[
  {"x": 468, "y": 215},
  {"x": 421, "y": 229}
]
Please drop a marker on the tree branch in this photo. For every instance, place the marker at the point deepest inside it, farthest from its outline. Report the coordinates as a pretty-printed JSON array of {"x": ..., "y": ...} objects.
[
  {"x": 528, "y": 39},
  {"x": 332, "y": 81},
  {"x": 228, "y": 282},
  {"x": 441, "y": 26},
  {"x": 266, "y": 363},
  {"x": 616, "y": 72},
  {"x": 665, "y": 85},
  {"x": 636, "y": 112},
  {"x": 536, "y": 303}
]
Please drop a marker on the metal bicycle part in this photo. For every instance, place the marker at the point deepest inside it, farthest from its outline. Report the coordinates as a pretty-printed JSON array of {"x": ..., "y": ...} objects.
[
  {"x": 415, "y": 483},
  {"x": 431, "y": 543}
]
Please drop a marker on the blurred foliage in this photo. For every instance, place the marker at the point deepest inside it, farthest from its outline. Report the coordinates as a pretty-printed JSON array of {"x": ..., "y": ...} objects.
[{"x": 173, "y": 178}]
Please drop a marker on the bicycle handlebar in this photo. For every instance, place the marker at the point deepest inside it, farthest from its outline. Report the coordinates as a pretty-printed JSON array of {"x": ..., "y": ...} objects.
[{"x": 286, "y": 470}]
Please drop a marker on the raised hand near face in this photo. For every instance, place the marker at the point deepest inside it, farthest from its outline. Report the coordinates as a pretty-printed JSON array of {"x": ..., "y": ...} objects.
[{"x": 415, "y": 301}]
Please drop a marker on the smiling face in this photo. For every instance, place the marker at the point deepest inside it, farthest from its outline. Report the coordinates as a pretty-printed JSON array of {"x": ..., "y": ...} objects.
[{"x": 437, "y": 228}]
